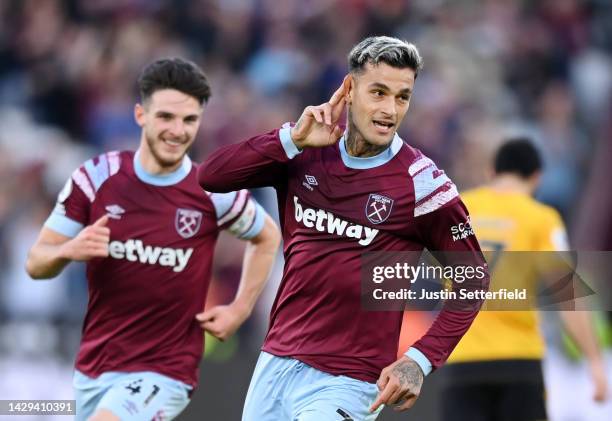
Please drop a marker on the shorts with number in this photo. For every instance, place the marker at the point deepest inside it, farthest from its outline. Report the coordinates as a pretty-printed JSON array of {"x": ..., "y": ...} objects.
[
  {"x": 135, "y": 396},
  {"x": 284, "y": 388}
]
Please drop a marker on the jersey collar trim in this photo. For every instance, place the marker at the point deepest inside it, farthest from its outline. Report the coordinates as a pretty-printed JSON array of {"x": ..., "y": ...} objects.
[
  {"x": 162, "y": 179},
  {"x": 372, "y": 161}
]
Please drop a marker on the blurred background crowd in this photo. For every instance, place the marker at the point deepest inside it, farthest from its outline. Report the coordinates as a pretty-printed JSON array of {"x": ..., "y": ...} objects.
[{"x": 493, "y": 68}]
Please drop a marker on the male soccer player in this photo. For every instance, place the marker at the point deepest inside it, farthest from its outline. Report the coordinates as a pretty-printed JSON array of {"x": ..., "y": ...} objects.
[
  {"x": 147, "y": 231},
  {"x": 341, "y": 195},
  {"x": 495, "y": 373}
]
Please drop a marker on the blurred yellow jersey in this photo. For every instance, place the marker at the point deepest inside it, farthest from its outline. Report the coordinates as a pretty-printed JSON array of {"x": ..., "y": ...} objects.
[{"x": 508, "y": 221}]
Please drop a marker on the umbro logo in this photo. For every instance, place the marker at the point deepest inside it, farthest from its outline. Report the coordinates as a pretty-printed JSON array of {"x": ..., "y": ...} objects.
[
  {"x": 115, "y": 211},
  {"x": 310, "y": 181}
]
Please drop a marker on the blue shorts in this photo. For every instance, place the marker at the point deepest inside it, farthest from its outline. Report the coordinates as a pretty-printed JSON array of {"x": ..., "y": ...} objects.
[
  {"x": 130, "y": 396},
  {"x": 284, "y": 388}
]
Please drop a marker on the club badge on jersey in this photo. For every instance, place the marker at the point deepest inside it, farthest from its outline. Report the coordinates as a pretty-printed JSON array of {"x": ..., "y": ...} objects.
[
  {"x": 378, "y": 208},
  {"x": 187, "y": 222}
]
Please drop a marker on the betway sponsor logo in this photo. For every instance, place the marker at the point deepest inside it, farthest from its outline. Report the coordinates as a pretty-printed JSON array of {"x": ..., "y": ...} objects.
[
  {"x": 136, "y": 251},
  {"x": 324, "y": 221}
]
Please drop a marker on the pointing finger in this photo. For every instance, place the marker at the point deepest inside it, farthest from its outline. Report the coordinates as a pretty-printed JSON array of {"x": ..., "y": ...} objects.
[
  {"x": 340, "y": 92},
  {"x": 101, "y": 231},
  {"x": 327, "y": 114},
  {"x": 337, "y": 109},
  {"x": 101, "y": 222},
  {"x": 382, "y": 398}
]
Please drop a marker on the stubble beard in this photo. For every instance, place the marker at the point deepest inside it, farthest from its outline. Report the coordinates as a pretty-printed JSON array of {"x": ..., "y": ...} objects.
[{"x": 164, "y": 163}]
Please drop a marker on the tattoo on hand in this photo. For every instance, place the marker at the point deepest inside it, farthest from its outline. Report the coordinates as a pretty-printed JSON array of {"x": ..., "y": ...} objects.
[
  {"x": 298, "y": 125},
  {"x": 409, "y": 374}
]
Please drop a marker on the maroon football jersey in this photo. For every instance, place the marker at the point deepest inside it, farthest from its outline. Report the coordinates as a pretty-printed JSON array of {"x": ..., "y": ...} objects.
[
  {"x": 333, "y": 208},
  {"x": 144, "y": 297}
]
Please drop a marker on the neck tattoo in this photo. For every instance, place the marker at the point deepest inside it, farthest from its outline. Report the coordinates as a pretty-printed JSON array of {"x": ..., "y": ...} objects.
[{"x": 357, "y": 146}]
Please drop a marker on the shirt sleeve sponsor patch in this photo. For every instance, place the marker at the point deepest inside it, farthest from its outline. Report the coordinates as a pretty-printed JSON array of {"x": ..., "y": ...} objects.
[{"x": 462, "y": 230}]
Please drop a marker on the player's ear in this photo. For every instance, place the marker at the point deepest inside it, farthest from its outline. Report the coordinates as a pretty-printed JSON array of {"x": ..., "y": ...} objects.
[
  {"x": 350, "y": 80},
  {"x": 139, "y": 114}
]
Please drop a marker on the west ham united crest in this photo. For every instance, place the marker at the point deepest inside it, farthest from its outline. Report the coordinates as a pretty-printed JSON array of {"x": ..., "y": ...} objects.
[
  {"x": 187, "y": 222},
  {"x": 378, "y": 208}
]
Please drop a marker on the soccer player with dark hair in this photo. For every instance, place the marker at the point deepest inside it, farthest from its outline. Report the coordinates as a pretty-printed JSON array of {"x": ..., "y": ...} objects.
[
  {"x": 147, "y": 231},
  {"x": 341, "y": 194},
  {"x": 495, "y": 373},
  {"x": 519, "y": 158}
]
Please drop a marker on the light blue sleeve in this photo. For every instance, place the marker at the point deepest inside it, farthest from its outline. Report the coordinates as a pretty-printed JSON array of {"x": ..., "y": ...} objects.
[
  {"x": 247, "y": 214},
  {"x": 285, "y": 138},
  {"x": 258, "y": 223},
  {"x": 63, "y": 225},
  {"x": 223, "y": 203},
  {"x": 420, "y": 359}
]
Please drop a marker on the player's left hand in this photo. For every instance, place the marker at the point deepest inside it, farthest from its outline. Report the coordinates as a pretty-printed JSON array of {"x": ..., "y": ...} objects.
[
  {"x": 222, "y": 321},
  {"x": 400, "y": 381}
]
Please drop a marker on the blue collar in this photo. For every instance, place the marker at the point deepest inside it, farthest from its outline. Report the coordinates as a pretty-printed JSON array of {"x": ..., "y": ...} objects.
[
  {"x": 372, "y": 161},
  {"x": 162, "y": 179}
]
